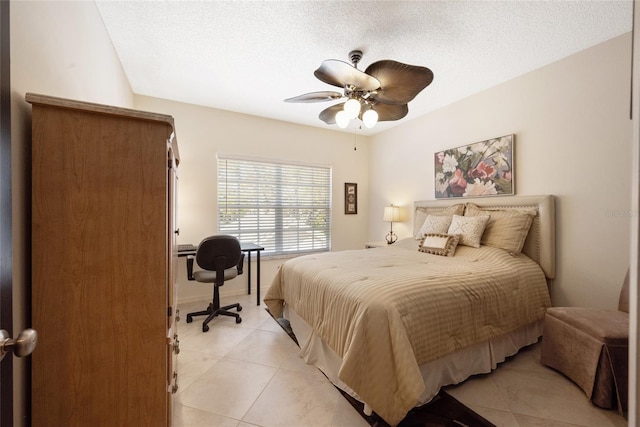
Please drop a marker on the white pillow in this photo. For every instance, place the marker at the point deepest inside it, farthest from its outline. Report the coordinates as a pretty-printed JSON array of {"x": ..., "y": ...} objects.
[
  {"x": 434, "y": 224},
  {"x": 470, "y": 229}
]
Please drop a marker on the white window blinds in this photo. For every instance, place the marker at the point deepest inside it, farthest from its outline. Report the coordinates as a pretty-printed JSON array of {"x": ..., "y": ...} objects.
[{"x": 284, "y": 207}]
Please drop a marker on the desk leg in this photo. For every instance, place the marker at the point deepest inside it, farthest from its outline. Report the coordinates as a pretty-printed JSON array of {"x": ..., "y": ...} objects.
[
  {"x": 258, "y": 281},
  {"x": 248, "y": 272},
  {"x": 190, "y": 267}
]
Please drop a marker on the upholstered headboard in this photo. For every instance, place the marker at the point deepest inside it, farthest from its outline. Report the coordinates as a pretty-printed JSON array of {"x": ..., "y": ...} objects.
[{"x": 540, "y": 244}]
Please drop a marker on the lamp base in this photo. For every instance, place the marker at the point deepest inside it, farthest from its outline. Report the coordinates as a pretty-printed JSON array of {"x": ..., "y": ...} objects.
[{"x": 391, "y": 238}]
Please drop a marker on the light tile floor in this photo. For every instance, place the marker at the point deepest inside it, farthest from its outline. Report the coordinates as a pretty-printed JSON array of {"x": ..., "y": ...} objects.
[{"x": 249, "y": 374}]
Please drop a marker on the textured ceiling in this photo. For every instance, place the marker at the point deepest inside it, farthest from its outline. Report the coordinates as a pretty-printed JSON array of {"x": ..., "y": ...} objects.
[{"x": 248, "y": 56}]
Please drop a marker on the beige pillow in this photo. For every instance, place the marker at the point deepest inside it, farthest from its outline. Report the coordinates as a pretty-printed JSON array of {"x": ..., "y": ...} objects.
[
  {"x": 506, "y": 229},
  {"x": 423, "y": 211},
  {"x": 434, "y": 224},
  {"x": 470, "y": 229},
  {"x": 439, "y": 244}
]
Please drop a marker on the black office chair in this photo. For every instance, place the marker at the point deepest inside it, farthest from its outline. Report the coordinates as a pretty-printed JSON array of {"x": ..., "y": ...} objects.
[{"x": 220, "y": 259}]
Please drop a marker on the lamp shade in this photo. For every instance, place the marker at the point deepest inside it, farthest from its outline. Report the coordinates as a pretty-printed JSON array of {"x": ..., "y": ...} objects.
[{"x": 391, "y": 214}]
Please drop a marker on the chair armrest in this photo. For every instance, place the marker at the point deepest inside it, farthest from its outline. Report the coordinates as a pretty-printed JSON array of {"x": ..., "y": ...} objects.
[
  {"x": 190, "y": 267},
  {"x": 241, "y": 264}
]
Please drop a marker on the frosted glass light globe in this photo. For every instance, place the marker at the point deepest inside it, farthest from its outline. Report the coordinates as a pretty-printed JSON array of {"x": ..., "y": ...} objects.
[
  {"x": 342, "y": 120},
  {"x": 370, "y": 118},
  {"x": 352, "y": 108}
]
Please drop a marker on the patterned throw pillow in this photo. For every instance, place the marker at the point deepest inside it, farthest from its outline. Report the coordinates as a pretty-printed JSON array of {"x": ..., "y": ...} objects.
[
  {"x": 434, "y": 224},
  {"x": 470, "y": 229},
  {"x": 506, "y": 229},
  {"x": 421, "y": 214},
  {"x": 439, "y": 244}
]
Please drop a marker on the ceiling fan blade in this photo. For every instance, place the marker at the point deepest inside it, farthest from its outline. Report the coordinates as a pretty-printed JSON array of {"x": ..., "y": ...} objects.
[
  {"x": 339, "y": 73},
  {"x": 316, "y": 97},
  {"x": 389, "y": 112},
  {"x": 328, "y": 115},
  {"x": 399, "y": 83}
]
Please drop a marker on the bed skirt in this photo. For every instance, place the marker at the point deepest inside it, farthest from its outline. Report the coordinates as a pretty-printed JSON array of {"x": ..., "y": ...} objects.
[{"x": 452, "y": 369}]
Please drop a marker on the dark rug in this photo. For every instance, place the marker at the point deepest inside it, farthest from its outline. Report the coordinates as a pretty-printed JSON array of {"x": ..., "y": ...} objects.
[{"x": 442, "y": 411}]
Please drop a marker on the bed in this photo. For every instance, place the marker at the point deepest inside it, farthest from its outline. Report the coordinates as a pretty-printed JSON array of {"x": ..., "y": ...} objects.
[{"x": 392, "y": 325}]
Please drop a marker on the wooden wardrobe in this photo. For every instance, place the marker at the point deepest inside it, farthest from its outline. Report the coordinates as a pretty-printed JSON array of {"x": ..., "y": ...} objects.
[{"x": 103, "y": 264}]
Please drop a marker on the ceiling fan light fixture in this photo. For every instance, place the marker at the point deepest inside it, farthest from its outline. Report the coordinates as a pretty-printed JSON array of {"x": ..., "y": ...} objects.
[
  {"x": 387, "y": 84},
  {"x": 352, "y": 108},
  {"x": 370, "y": 118},
  {"x": 342, "y": 120}
]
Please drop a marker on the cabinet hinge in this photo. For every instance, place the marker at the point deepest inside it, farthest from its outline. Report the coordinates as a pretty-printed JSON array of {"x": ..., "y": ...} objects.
[{"x": 169, "y": 311}]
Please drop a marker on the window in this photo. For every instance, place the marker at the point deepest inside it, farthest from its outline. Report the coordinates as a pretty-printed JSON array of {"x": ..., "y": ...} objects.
[{"x": 285, "y": 207}]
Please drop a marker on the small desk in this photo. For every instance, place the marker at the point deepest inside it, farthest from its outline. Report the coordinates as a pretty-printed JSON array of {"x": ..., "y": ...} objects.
[{"x": 247, "y": 247}]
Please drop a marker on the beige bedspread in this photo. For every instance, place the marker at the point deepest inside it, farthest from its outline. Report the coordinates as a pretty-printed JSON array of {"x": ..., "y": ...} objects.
[{"x": 386, "y": 311}]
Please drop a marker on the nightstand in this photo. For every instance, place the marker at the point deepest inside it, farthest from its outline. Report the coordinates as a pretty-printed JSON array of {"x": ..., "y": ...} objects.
[{"x": 370, "y": 245}]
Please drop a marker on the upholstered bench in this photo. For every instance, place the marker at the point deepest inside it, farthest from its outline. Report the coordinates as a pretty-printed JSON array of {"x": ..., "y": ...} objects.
[{"x": 590, "y": 346}]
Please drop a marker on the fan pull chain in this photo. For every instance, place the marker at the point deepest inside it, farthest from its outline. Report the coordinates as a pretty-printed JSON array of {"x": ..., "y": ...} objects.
[{"x": 355, "y": 137}]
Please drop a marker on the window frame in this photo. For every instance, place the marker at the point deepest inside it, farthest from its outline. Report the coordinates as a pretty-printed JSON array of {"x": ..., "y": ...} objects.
[{"x": 274, "y": 226}]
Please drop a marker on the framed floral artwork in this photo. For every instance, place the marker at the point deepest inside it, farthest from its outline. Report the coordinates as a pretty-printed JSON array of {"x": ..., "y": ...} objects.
[{"x": 483, "y": 168}]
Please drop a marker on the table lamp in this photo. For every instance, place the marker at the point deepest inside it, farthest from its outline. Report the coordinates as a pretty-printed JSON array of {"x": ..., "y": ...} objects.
[{"x": 391, "y": 215}]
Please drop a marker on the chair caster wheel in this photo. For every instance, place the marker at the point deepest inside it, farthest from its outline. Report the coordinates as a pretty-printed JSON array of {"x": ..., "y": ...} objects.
[
  {"x": 189, "y": 318},
  {"x": 205, "y": 328},
  {"x": 238, "y": 319},
  {"x": 239, "y": 308}
]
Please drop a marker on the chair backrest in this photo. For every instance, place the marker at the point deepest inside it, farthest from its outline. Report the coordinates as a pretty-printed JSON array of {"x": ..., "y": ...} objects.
[
  {"x": 623, "y": 302},
  {"x": 217, "y": 253}
]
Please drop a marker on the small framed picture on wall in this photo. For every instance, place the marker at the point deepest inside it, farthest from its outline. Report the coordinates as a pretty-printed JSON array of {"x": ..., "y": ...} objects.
[{"x": 350, "y": 198}]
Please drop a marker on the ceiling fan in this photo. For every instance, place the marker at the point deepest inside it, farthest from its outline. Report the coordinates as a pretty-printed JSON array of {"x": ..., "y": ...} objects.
[{"x": 380, "y": 93}]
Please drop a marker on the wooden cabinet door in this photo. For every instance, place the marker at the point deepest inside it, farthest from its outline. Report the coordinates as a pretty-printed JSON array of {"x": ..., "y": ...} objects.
[
  {"x": 100, "y": 268},
  {"x": 173, "y": 232}
]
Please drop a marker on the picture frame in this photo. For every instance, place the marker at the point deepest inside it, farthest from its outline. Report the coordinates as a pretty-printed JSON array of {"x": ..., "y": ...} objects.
[
  {"x": 350, "y": 198},
  {"x": 479, "y": 169}
]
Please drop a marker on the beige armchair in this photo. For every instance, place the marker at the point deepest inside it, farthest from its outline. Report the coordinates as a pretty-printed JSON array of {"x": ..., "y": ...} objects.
[{"x": 590, "y": 346}]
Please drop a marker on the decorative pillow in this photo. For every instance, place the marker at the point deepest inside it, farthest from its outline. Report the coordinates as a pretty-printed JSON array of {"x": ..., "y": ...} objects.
[
  {"x": 439, "y": 244},
  {"x": 434, "y": 224},
  {"x": 506, "y": 229},
  {"x": 470, "y": 229},
  {"x": 422, "y": 212}
]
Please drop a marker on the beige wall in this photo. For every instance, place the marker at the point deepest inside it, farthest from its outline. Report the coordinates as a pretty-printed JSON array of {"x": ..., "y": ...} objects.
[
  {"x": 59, "y": 49},
  {"x": 573, "y": 140},
  {"x": 204, "y": 132}
]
